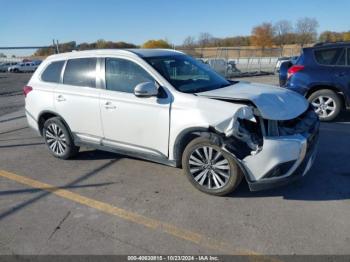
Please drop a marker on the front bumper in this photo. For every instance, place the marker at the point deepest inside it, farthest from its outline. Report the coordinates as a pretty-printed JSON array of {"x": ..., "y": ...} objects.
[
  {"x": 282, "y": 159},
  {"x": 299, "y": 169}
]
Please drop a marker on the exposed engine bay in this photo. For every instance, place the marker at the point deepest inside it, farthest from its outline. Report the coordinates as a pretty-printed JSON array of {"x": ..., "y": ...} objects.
[{"x": 245, "y": 132}]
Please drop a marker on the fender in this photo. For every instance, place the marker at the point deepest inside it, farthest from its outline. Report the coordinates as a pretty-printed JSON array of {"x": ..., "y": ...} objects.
[{"x": 55, "y": 114}]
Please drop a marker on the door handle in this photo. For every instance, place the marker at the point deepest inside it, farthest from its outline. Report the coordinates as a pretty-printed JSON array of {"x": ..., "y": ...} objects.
[
  {"x": 60, "y": 98},
  {"x": 341, "y": 74},
  {"x": 109, "y": 105}
]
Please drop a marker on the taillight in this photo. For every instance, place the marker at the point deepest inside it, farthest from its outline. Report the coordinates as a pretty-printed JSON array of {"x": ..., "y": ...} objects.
[
  {"x": 294, "y": 69},
  {"x": 26, "y": 90}
]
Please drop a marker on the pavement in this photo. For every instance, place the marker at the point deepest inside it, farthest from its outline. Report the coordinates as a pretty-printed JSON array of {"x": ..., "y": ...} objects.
[{"x": 104, "y": 203}]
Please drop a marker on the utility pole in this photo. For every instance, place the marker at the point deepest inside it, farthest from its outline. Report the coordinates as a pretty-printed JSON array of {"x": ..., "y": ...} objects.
[{"x": 55, "y": 46}]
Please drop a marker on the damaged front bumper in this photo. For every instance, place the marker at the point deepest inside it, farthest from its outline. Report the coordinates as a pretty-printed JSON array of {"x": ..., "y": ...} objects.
[
  {"x": 282, "y": 158},
  {"x": 294, "y": 159}
]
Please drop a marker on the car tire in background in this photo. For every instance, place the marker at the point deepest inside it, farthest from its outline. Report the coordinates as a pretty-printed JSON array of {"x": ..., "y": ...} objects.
[
  {"x": 58, "y": 139},
  {"x": 209, "y": 168},
  {"x": 327, "y": 104}
]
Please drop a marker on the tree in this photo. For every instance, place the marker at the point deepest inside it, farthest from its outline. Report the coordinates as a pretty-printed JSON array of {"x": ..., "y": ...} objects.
[
  {"x": 3, "y": 55},
  {"x": 329, "y": 36},
  {"x": 306, "y": 28},
  {"x": 204, "y": 39},
  {"x": 262, "y": 35},
  {"x": 346, "y": 36},
  {"x": 156, "y": 44},
  {"x": 189, "y": 42},
  {"x": 283, "y": 29},
  {"x": 100, "y": 44}
]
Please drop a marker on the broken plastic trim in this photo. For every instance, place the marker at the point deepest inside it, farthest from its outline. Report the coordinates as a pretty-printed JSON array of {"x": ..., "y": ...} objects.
[{"x": 242, "y": 133}]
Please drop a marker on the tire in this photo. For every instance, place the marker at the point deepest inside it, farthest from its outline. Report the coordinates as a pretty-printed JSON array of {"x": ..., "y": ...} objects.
[
  {"x": 58, "y": 139},
  {"x": 15, "y": 70},
  {"x": 194, "y": 158},
  {"x": 327, "y": 104}
]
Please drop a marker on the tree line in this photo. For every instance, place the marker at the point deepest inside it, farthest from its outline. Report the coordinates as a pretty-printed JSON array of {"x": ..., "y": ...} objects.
[
  {"x": 265, "y": 35},
  {"x": 99, "y": 44},
  {"x": 281, "y": 33}
]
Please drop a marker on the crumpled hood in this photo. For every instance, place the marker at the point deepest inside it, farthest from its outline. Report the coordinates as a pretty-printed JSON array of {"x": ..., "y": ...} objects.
[{"x": 273, "y": 102}]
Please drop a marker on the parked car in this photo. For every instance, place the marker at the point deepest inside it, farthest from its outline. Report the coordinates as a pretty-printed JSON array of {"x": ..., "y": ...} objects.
[
  {"x": 285, "y": 59},
  {"x": 322, "y": 75},
  {"x": 23, "y": 67},
  {"x": 164, "y": 106},
  {"x": 5, "y": 66}
]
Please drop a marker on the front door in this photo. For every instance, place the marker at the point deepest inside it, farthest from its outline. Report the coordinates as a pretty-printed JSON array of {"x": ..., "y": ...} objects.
[{"x": 129, "y": 122}]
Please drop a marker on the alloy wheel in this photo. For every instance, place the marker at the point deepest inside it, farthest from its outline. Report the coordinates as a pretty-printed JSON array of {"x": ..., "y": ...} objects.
[
  {"x": 56, "y": 139},
  {"x": 324, "y": 106},
  {"x": 209, "y": 167}
]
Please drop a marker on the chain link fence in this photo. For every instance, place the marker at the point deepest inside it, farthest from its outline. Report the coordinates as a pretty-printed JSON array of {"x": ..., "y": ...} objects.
[{"x": 233, "y": 62}]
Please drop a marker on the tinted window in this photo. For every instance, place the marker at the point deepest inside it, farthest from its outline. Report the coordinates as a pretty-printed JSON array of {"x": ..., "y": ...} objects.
[
  {"x": 123, "y": 75},
  {"x": 187, "y": 74},
  {"x": 341, "y": 59},
  {"x": 328, "y": 56},
  {"x": 80, "y": 72},
  {"x": 52, "y": 73}
]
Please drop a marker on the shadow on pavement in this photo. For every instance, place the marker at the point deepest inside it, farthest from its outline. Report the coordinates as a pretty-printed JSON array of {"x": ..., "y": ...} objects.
[{"x": 74, "y": 183}]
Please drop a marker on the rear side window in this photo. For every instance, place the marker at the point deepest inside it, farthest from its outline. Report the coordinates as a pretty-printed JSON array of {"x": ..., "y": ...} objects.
[
  {"x": 328, "y": 56},
  {"x": 80, "y": 72},
  {"x": 341, "y": 59},
  {"x": 123, "y": 75},
  {"x": 52, "y": 73}
]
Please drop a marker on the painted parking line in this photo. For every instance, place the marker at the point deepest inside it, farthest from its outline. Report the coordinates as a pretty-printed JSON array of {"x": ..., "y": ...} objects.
[{"x": 151, "y": 223}]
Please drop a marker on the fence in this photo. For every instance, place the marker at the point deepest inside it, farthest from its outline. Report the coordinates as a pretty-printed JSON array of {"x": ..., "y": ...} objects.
[{"x": 230, "y": 61}]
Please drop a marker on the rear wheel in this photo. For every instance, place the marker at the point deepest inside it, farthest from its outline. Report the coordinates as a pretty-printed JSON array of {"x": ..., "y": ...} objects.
[
  {"x": 58, "y": 139},
  {"x": 327, "y": 104},
  {"x": 209, "y": 168}
]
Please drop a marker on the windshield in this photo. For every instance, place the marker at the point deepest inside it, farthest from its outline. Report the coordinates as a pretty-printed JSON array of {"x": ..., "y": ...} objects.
[{"x": 186, "y": 74}]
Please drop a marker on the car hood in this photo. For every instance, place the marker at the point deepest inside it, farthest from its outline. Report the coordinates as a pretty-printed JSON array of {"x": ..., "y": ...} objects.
[{"x": 273, "y": 102}]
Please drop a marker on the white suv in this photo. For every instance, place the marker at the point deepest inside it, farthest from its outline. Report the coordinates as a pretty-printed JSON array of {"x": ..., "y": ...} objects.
[
  {"x": 164, "y": 106},
  {"x": 23, "y": 67}
]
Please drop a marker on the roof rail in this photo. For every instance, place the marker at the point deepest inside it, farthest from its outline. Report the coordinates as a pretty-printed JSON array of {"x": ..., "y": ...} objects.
[{"x": 331, "y": 43}]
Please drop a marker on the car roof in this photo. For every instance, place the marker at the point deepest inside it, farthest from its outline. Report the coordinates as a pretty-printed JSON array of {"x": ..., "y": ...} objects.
[
  {"x": 330, "y": 45},
  {"x": 138, "y": 52}
]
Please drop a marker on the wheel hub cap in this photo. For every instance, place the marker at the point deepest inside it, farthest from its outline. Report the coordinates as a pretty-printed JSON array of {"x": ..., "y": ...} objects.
[
  {"x": 324, "y": 106},
  {"x": 56, "y": 139},
  {"x": 209, "y": 167}
]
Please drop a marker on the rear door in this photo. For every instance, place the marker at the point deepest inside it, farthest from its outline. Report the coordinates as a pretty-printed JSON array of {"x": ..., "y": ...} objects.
[
  {"x": 342, "y": 73},
  {"x": 77, "y": 99}
]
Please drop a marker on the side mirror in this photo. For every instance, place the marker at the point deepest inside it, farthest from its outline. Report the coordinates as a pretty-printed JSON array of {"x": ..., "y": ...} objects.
[{"x": 146, "y": 89}]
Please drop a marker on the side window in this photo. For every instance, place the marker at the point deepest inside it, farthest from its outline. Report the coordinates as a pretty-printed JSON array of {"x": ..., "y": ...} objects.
[
  {"x": 123, "y": 75},
  {"x": 341, "y": 59},
  {"x": 348, "y": 56},
  {"x": 52, "y": 73},
  {"x": 328, "y": 56},
  {"x": 80, "y": 72}
]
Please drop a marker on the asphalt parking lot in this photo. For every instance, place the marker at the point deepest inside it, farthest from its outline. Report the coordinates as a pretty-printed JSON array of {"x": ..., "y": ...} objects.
[{"x": 104, "y": 203}]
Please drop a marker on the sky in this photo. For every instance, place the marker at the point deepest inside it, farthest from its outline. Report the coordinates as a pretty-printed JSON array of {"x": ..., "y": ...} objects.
[{"x": 37, "y": 22}]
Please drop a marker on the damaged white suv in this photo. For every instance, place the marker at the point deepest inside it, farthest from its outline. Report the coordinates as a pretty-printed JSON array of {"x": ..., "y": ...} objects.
[{"x": 166, "y": 107}]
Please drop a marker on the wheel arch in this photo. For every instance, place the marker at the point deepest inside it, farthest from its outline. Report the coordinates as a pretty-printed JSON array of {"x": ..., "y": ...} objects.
[
  {"x": 47, "y": 114},
  {"x": 183, "y": 139}
]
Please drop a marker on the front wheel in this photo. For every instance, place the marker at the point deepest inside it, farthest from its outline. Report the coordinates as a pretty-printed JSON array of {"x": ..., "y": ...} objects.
[
  {"x": 327, "y": 104},
  {"x": 209, "y": 168}
]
